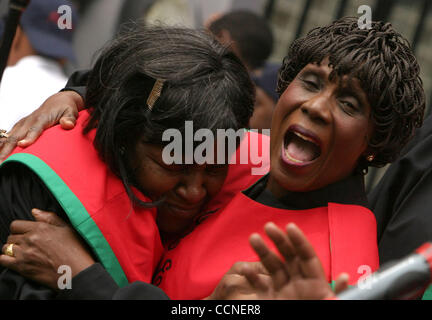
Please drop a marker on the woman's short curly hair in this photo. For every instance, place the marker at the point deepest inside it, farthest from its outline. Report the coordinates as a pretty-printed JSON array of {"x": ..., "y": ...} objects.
[{"x": 384, "y": 63}]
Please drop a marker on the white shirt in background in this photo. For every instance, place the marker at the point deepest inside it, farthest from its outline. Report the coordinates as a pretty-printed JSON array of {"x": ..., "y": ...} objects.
[{"x": 26, "y": 85}]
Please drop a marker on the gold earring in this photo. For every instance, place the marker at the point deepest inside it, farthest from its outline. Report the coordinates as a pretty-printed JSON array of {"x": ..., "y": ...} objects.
[{"x": 370, "y": 158}]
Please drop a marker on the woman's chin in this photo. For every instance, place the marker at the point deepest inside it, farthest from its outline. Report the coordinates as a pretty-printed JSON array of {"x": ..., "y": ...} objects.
[{"x": 294, "y": 178}]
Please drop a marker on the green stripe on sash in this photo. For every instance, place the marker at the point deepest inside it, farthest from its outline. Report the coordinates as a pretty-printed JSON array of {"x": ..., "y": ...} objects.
[
  {"x": 76, "y": 212},
  {"x": 428, "y": 293}
]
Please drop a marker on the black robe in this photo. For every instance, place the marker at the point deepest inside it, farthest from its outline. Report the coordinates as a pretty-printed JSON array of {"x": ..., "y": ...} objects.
[{"x": 402, "y": 201}]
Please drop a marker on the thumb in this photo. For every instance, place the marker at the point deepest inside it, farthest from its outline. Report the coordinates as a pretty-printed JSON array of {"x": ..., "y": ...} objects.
[
  {"x": 341, "y": 283},
  {"x": 258, "y": 267},
  {"x": 256, "y": 279},
  {"x": 48, "y": 217},
  {"x": 68, "y": 120}
]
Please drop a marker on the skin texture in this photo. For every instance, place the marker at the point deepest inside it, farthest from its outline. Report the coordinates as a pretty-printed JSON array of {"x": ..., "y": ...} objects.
[
  {"x": 184, "y": 188},
  {"x": 335, "y": 112}
]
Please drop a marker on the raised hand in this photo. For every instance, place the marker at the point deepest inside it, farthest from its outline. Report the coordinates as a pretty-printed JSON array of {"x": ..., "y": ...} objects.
[
  {"x": 296, "y": 274},
  {"x": 235, "y": 286}
]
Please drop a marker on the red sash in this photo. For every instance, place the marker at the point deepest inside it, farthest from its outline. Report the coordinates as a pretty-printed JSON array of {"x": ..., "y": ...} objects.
[
  {"x": 124, "y": 237},
  {"x": 344, "y": 238},
  {"x": 242, "y": 175}
]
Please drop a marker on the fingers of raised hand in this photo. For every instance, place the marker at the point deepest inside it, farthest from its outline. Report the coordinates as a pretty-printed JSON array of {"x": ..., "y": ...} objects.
[
  {"x": 309, "y": 263},
  {"x": 281, "y": 241},
  {"x": 233, "y": 285},
  {"x": 259, "y": 281},
  {"x": 341, "y": 283},
  {"x": 275, "y": 266},
  {"x": 302, "y": 246}
]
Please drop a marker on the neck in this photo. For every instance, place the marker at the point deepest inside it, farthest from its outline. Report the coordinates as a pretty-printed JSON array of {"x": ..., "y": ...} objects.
[{"x": 21, "y": 48}]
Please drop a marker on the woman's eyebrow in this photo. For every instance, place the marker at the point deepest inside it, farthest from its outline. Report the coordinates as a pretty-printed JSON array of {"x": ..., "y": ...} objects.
[{"x": 315, "y": 71}]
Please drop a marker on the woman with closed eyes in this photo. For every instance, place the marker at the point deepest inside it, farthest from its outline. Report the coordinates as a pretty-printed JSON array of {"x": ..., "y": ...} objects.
[{"x": 349, "y": 99}]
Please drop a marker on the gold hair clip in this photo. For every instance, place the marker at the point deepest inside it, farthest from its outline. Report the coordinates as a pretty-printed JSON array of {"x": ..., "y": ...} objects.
[{"x": 155, "y": 93}]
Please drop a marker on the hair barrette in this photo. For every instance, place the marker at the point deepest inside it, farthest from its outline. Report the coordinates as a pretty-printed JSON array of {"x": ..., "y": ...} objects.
[{"x": 155, "y": 93}]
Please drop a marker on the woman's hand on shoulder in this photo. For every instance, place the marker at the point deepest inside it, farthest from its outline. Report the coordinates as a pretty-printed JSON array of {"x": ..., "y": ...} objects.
[{"x": 62, "y": 107}]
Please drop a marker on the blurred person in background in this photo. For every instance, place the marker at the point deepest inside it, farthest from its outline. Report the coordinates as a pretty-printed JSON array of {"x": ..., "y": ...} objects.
[
  {"x": 266, "y": 98},
  {"x": 251, "y": 38},
  {"x": 38, "y": 54}
]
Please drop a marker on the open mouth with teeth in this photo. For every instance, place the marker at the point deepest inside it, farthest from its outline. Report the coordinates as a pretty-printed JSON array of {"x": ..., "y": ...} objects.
[{"x": 300, "y": 149}]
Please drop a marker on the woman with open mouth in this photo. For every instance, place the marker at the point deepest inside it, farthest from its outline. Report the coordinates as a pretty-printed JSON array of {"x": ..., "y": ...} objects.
[{"x": 349, "y": 98}]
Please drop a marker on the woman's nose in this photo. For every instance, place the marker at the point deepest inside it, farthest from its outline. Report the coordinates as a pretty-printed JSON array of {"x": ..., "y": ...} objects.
[
  {"x": 192, "y": 189},
  {"x": 318, "y": 108}
]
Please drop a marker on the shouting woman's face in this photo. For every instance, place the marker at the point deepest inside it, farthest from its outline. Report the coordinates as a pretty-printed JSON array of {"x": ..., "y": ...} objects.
[{"x": 319, "y": 131}]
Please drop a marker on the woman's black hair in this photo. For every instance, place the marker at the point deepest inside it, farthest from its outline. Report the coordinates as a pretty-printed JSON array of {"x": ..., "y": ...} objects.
[
  {"x": 384, "y": 63},
  {"x": 203, "y": 82}
]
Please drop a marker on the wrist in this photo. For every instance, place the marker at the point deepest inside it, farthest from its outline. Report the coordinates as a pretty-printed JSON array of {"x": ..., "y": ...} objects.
[
  {"x": 81, "y": 266},
  {"x": 66, "y": 273}
]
